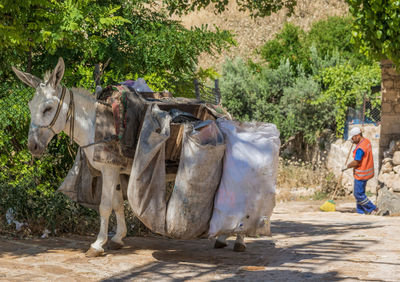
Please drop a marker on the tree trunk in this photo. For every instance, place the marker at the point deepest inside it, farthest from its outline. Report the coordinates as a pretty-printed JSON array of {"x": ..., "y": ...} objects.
[{"x": 29, "y": 65}]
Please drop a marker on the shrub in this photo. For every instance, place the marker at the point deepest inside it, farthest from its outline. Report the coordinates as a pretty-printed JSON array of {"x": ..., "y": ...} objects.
[
  {"x": 296, "y": 102},
  {"x": 345, "y": 86},
  {"x": 254, "y": 94},
  {"x": 318, "y": 63},
  {"x": 266, "y": 104},
  {"x": 330, "y": 37},
  {"x": 238, "y": 86},
  {"x": 287, "y": 45},
  {"x": 41, "y": 208},
  {"x": 277, "y": 96},
  {"x": 300, "y": 112},
  {"x": 308, "y": 83},
  {"x": 333, "y": 35}
]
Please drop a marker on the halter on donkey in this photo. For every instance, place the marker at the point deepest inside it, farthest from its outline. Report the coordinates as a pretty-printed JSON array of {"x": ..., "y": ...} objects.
[{"x": 52, "y": 111}]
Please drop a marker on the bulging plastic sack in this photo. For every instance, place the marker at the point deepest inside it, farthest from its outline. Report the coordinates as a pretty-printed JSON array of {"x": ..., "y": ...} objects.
[
  {"x": 246, "y": 195},
  {"x": 146, "y": 187},
  {"x": 199, "y": 173}
]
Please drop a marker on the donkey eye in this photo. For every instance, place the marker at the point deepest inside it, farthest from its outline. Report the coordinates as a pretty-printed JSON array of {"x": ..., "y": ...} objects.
[{"x": 47, "y": 110}]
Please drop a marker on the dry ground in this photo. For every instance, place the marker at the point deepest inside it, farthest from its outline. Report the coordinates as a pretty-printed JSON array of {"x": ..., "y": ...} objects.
[{"x": 306, "y": 245}]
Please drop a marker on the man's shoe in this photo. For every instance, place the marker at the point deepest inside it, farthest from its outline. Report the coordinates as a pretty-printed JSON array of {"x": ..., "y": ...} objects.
[{"x": 375, "y": 212}]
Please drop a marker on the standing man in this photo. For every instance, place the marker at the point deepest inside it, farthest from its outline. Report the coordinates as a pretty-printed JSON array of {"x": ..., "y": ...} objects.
[{"x": 363, "y": 170}]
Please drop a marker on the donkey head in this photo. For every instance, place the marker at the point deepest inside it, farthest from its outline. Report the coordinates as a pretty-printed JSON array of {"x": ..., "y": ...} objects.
[{"x": 43, "y": 107}]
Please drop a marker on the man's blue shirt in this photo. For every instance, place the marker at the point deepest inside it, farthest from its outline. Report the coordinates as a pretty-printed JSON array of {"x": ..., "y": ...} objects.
[{"x": 359, "y": 154}]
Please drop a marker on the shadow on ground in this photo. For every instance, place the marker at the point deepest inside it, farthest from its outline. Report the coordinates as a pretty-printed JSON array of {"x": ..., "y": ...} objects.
[
  {"x": 179, "y": 260},
  {"x": 182, "y": 260}
]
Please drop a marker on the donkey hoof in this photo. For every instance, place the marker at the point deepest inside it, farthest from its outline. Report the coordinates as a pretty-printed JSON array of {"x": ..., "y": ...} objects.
[
  {"x": 238, "y": 247},
  {"x": 92, "y": 253},
  {"x": 114, "y": 245},
  {"x": 219, "y": 244}
]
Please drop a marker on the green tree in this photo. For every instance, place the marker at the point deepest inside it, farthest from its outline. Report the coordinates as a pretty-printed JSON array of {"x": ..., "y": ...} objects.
[
  {"x": 136, "y": 34},
  {"x": 29, "y": 26},
  {"x": 260, "y": 8},
  {"x": 333, "y": 35},
  {"x": 287, "y": 45},
  {"x": 345, "y": 86},
  {"x": 301, "y": 47},
  {"x": 376, "y": 28},
  {"x": 139, "y": 40}
]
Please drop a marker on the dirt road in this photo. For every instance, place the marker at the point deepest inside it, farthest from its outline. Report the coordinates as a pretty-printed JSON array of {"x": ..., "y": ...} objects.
[{"x": 306, "y": 245}]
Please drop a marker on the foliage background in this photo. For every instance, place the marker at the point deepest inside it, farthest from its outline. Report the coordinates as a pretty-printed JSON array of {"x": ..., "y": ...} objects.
[
  {"x": 141, "y": 42},
  {"x": 303, "y": 82},
  {"x": 375, "y": 28}
]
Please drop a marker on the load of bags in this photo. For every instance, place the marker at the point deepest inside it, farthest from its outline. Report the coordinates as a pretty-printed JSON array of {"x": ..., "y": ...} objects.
[{"x": 225, "y": 181}]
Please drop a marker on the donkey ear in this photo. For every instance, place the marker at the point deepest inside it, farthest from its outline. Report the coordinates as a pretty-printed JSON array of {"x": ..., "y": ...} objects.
[
  {"x": 27, "y": 78},
  {"x": 57, "y": 74}
]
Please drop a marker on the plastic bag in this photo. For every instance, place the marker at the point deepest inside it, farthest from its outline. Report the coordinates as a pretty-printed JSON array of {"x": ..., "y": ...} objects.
[
  {"x": 146, "y": 187},
  {"x": 246, "y": 195},
  {"x": 190, "y": 206}
]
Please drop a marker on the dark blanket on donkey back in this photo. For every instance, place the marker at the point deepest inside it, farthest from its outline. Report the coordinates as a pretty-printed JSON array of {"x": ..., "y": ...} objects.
[
  {"x": 121, "y": 113},
  {"x": 128, "y": 110}
]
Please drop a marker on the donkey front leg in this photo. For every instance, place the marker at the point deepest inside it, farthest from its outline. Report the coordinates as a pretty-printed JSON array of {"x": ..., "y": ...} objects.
[
  {"x": 221, "y": 242},
  {"x": 239, "y": 246},
  {"x": 118, "y": 207},
  {"x": 110, "y": 177}
]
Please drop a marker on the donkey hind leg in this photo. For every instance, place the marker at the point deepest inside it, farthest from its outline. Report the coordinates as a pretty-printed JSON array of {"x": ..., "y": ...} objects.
[
  {"x": 118, "y": 207},
  {"x": 110, "y": 177},
  {"x": 221, "y": 242},
  {"x": 239, "y": 246}
]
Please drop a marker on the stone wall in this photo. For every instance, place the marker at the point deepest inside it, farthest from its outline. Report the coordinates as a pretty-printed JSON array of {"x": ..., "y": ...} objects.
[
  {"x": 390, "y": 170},
  {"x": 388, "y": 199},
  {"x": 336, "y": 159},
  {"x": 390, "y": 114}
]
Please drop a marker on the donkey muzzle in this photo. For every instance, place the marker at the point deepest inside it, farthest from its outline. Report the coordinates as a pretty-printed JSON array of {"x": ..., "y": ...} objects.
[
  {"x": 35, "y": 147},
  {"x": 38, "y": 139}
]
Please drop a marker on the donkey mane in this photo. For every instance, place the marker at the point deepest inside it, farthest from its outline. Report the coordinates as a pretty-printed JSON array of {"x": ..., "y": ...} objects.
[
  {"x": 73, "y": 89},
  {"x": 82, "y": 91},
  {"x": 47, "y": 75}
]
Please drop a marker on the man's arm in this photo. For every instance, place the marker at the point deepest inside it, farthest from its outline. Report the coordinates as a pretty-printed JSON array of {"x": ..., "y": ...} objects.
[
  {"x": 357, "y": 160},
  {"x": 353, "y": 164}
]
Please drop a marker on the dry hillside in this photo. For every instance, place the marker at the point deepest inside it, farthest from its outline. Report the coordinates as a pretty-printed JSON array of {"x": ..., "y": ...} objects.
[{"x": 253, "y": 33}]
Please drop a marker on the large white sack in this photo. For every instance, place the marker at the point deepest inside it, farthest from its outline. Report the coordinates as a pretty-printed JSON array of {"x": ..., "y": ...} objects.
[
  {"x": 199, "y": 173},
  {"x": 246, "y": 195}
]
